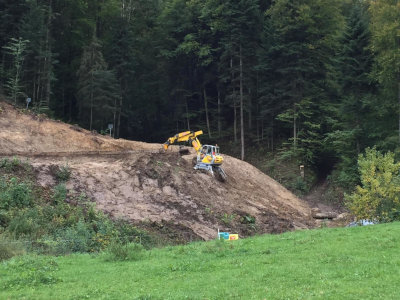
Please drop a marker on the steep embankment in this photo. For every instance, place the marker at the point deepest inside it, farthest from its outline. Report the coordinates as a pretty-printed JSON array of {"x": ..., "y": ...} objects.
[{"x": 144, "y": 184}]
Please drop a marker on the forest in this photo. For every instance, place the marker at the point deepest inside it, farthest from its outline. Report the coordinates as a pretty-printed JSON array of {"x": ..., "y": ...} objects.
[{"x": 318, "y": 80}]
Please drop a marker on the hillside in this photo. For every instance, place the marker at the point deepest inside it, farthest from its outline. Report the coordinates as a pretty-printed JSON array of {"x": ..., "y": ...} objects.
[
  {"x": 142, "y": 183},
  {"x": 341, "y": 263}
]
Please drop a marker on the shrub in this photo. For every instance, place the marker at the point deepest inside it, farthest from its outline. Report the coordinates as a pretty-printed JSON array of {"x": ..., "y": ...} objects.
[
  {"x": 300, "y": 185},
  {"x": 25, "y": 222},
  {"x": 378, "y": 197},
  {"x": 9, "y": 248},
  {"x": 10, "y": 165},
  {"x": 60, "y": 193},
  {"x": 4, "y": 218},
  {"x": 123, "y": 252},
  {"x": 77, "y": 238},
  {"x": 227, "y": 219},
  {"x": 14, "y": 193},
  {"x": 63, "y": 173}
]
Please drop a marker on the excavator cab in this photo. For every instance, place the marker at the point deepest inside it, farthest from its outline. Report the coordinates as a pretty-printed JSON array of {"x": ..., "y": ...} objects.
[{"x": 209, "y": 155}]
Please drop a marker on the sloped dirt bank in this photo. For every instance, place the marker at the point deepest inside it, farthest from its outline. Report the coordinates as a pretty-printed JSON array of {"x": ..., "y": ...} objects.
[{"x": 141, "y": 183}]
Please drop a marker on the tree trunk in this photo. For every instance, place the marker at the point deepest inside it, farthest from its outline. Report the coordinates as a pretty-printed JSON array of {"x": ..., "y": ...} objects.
[
  {"x": 114, "y": 116},
  {"x": 258, "y": 130},
  {"x": 234, "y": 103},
  {"x": 206, "y": 109},
  {"x": 122, "y": 89},
  {"x": 48, "y": 57},
  {"x": 219, "y": 113},
  {"x": 399, "y": 106},
  {"x": 249, "y": 112},
  {"x": 241, "y": 104},
  {"x": 187, "y": 113},
  {"x": 294, "y": 127},
  {"x": 91, "y": 100},
  {"x": 63, "y": 102},
  {"x": 262, "y": 129},
  {"x": 119, "y": 117},
  {"x": 272, "y": 133},
  {"x": 34, "y": 89}
]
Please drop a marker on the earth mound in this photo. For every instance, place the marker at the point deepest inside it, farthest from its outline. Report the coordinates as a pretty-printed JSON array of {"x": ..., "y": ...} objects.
[{"x": 148, "y": 186}]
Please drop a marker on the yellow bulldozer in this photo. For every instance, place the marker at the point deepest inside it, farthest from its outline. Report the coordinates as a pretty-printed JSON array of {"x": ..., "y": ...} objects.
[{"x": 208, "y": 156}]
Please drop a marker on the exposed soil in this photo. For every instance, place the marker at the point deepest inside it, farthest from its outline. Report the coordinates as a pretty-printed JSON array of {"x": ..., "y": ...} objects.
[
  {"x": 142, "y": 183},
  {"x": 315, "y": 200}
]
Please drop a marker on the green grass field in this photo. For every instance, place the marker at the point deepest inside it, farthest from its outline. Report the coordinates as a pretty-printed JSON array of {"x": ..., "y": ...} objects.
[{"x": 342, "y": 263}]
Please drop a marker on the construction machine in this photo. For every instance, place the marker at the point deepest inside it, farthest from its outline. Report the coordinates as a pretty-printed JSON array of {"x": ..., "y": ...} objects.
[{"x": 208, "y": 156}]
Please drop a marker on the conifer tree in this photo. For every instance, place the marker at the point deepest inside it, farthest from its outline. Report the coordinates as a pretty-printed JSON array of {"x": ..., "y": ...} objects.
[
  {"x": 304, "y": 37},
  {"x": 385, "y": 29},
  {"x": 97, "y": 86},
  {"x": 352, "y": 132},
  {"x": 16, "y": 50}
]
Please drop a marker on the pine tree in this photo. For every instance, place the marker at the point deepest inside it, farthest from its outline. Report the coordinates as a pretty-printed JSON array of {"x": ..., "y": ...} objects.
[
  {"x": 351, "y": 134},
  {"x": 97, "y": 89},
  {"x": 238, "y": 25},
  {"x": 304, "y": 37},
  {"x": 385, "y": 29},
  {"x": 16, "y": 50},
  {"x": 33, "y": 28}
]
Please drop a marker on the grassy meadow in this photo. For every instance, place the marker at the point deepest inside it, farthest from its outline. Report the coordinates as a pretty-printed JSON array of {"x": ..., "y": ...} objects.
[{"x": 341, "y": 263}]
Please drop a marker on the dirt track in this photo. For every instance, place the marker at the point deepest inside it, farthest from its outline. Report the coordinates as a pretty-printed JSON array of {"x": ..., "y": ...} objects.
[{"x": 140, "y": 182}]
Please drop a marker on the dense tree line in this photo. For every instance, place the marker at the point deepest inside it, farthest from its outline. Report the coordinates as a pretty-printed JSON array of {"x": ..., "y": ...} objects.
[{"x": 317, "y": 78}]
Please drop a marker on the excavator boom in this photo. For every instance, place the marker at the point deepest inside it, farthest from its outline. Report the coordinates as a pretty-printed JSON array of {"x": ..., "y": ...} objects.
[{"x": 186, "y": 136}]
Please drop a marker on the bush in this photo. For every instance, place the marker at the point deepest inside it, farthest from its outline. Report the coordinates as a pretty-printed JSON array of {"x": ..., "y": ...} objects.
[
  {"x": 300, "y": 185},
  {"x": 60, "y": 193},
  {"x": 77, "y": 238},
  {"x": 9, "y": 248},
  {"x": 14, "y": 193},
  {"x": 123, "y": 252},
  {"x": 378, "y": 197},
  {"x": 63, "y": 173},
  {"x": 23, "y": 224},
  {"x": 10, "y": 165},
  {"x": 4, "y": 218}
]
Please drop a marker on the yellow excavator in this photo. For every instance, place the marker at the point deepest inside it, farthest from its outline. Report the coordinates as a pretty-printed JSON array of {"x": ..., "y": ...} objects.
[{"x": 208, "y": 156}]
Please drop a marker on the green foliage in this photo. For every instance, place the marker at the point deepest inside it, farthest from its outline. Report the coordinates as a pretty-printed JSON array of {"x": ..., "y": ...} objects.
[
  {"x": 247, "y": 219},
  {"x": 10, "y": 248},
  {"x": 30, "y": 271},
  {"x": 123, "y": 252},
  {"x": 97, "y": 88},
  {"x": 77, "y": 238},
  {"x": 14, "y": 193},
  {"x": 51, "y": 225},
  {"x": 301, "y": 185},
  {"x": 227, "y": 219},
  {"x": 378, "y": 197},
  {"x": 10, "y": 165},
  {"x": 16, "y": 49},
  {"x": 59, "y": 193},
  {"x": 63, "y": 173},
  {"x": 385, "y": 43}
]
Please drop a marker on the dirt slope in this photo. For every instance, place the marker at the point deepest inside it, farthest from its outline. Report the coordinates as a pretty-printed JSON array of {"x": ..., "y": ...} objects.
[
  {"x": 29, "y": 133},
  {"x": 138, "y": 181}
]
